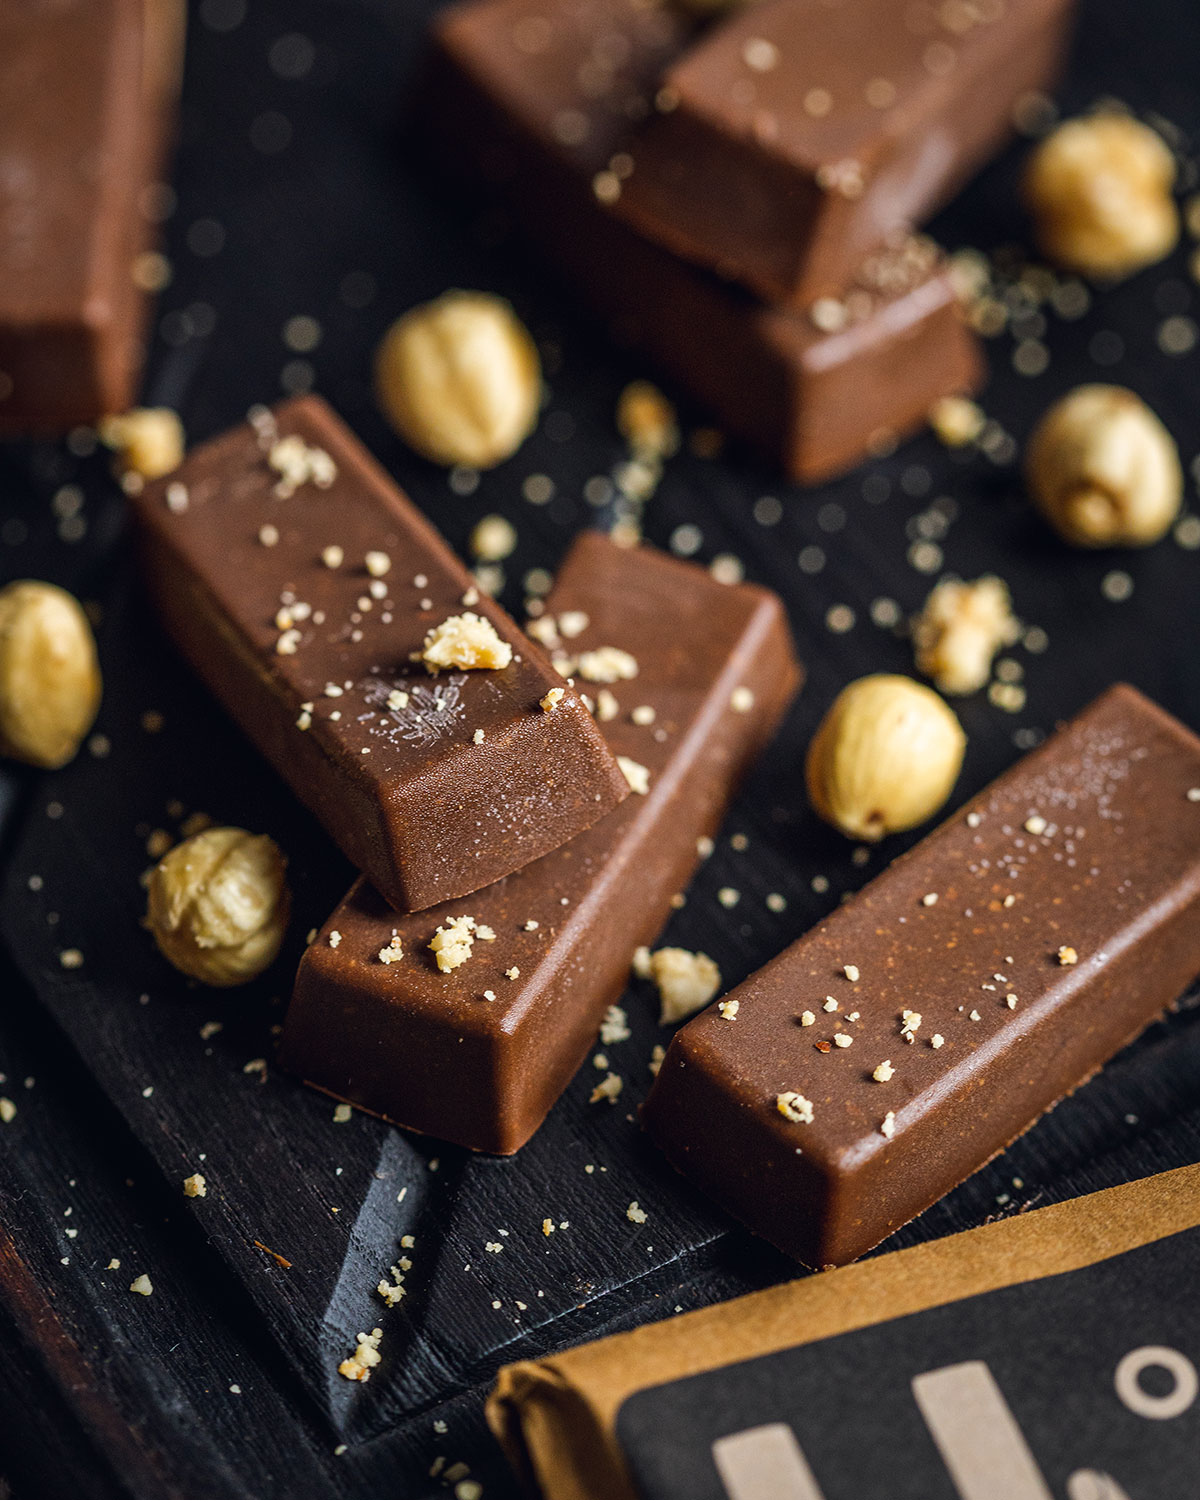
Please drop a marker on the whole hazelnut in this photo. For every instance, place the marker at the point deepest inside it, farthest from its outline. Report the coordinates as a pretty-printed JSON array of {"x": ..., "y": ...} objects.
[
  {"x": 460, "y": 379},
  {"x": 49, "y": 675},
  {"x": 885, "y": 757},
  {"x": 1103, "y": 469},
  {"x": 1099, "y": 190},
  {"x": 219, "y": 905}
]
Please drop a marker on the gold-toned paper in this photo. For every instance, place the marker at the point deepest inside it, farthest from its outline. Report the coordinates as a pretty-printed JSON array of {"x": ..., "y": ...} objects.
[{"x": 555, "y": 1417}]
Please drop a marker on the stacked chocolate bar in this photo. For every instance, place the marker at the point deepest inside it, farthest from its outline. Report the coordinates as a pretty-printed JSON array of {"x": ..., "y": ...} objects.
[
  {"x": 736, "y": 196},
  {"x": 87, "y": 94},
  {"x": 519, "y": 841}
]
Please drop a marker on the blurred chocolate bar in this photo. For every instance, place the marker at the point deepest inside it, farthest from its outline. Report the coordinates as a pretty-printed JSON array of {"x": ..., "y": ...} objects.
[
  {"x": 87, "y": 92},
  {"x": 690, "y": 678},
  {"x": 796, "y": 137},
  {"x": 531, "y": 104}
]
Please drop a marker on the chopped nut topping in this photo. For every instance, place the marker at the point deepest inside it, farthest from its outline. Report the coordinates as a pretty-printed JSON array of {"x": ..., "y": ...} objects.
[
  {"x": 393, "y": 1291},
  {"x": 851, "y": 973},
  {"x": 830, "y": 1004},
  {"x": 1035, "y": 825},
  {"x": 807, "y": 1018},
  {"x": 842, "y": 1040},
  {"x": 547, "y": 1227},
  {"x": 741, "y": 700},
  {"x": 296, "y": 464},
  {"x": 452, "y": 944},
  {"x": 642, "y": 715},
  {"x": 635, "y": 774},
  {"x": 394, "y": 951},
  {"x": 1067, "y": 956},
  {"x": 794, "y": 1107},
  {"x": 614, "y": 1027},
  {"x": 607, "y": 664},
  {"x": 686, "y": 982},
  {"x": 268, "y": 535},
  {"x": 478, "y": 737},
  {"x": 635, "y": 1213},
  {"x": 378, "y": 564},
  {"x": 358, "y": 1366},
  {"x": 552, "y": 699},
  {"x": 729, "y": 1009},
  {"x": 608, "y": 1088},
  {"x": 142, "y": 1285},
  {"x": 8, "y": 1111},
  {"x": 332, "y": 556},
  {"x": 937, "y": 1040},
  {"x": 888, "y": 1127},
  {"x": 465, "y": 641},
  {"x": 342, "y": 1114},
  {"x": 148, "y": 440},
  {"x": 195, "y": 1186},
  {"x": 959, "y": 631},
  {"x": 572, "y": 622},
  {"x": 911, "y": 1023},
  {"x": 884, "y": 1071}
]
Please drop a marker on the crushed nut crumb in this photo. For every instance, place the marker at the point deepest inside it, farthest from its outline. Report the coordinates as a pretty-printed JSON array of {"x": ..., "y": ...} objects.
[
  {"x": 794, "y": 1107},
  {"x": 465, "y": 641},
  {"x": 552, "y": 699},
  {"x": 884, "y": 1071},
  {"x": 358, "y": 1366},
  {"x": 686, "y": 982},
  {"x": 195, "y": 1186},
  {"x": 1067, "y": 956},
  {"x": 635, "y": 774}
]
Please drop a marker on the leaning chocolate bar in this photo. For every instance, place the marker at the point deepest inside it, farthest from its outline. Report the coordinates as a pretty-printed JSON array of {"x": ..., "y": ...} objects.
[
  {"x": 816, "y": 391},
  {"x": 86, "y": 96},
  {"x": 795, "y": 137},
  {"x": 910, "y": 1037},
  {"x": 467, "y": 1022},
  {"x": 434, "y": 741}
]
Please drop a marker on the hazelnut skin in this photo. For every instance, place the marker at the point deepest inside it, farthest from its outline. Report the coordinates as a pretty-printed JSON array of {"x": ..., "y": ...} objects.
[
  {"x": 219, "y": 905},
  {"x": 1103, "y": 469},
  {"x": 460, "y": 379},
  {"x": 49, "y": 675},
  {"x": 1099, "y": 190},
  {"x": 885, "y": 757}
]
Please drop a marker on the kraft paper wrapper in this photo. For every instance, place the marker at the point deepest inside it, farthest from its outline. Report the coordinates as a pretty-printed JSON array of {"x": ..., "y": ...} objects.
[{"x": 554, "y": 1417}]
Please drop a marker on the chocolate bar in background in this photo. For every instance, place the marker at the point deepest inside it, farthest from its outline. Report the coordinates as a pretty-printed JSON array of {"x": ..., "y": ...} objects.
[
  {"x": 87, "y": 96},
  {"x": 813, "y": 391},
  {"x": 797, "y": 137},
  {"x": 977, "y": 980},
  {"x": 478, "y": 1054},
  {"x": 300, "y": 584},
  {"x": 1009, "y": 1357}
]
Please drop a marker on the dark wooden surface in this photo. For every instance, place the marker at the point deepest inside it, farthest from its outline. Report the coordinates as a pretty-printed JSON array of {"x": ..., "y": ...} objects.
[{"x": 103, "y": 1393}]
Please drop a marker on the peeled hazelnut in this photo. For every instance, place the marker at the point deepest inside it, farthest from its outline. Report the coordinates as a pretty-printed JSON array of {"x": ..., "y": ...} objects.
[
  {"x": 1103, "y": 469},
  {"x": 49, "y": 675},
  {"x": 885, "y": 758},
  {"x": 959, "y": 631},
  {"x": 148, "y": 440},
  {"x": 1099, "y": 189},
  {"x": 460, "y": 380},
  {"x": 219, "y": 905}
]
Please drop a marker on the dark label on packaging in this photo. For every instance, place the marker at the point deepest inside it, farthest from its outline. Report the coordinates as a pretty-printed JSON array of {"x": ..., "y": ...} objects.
[{"x": 1081, "y": 1386}]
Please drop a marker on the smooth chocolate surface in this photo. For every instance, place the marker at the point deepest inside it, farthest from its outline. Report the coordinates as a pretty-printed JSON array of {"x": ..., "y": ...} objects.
[
  {"x": 87, "y": 89},
  {"x": 479, "y": 1054},
  {"x": 816, "y": 390},
  {"x": 1035, "y": 933},
  {"x": 796, "y": 136},
  {"x": 433, "y": 784}
]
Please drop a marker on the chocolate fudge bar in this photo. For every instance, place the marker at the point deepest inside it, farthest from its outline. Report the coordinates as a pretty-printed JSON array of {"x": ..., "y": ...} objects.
[
  {"x": 434, "y": 741},
  {"x": 690, "y": 678},
  {"x": 793, "y": 138},
  {"x": 816, "y": 391},
  {"x": 980, "y": 978},
  {"x": 87, "y": 89}
]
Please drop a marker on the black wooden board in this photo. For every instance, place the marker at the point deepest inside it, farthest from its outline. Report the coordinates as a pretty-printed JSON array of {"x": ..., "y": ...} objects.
[{"x": 297, "y": 195}]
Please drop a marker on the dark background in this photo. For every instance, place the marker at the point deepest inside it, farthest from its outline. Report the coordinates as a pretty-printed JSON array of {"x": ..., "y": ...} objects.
[{"x": 298, "y": 195}]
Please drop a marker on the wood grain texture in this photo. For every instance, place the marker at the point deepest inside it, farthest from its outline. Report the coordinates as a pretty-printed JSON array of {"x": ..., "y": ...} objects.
[{"x": 109, "y": 1369}]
